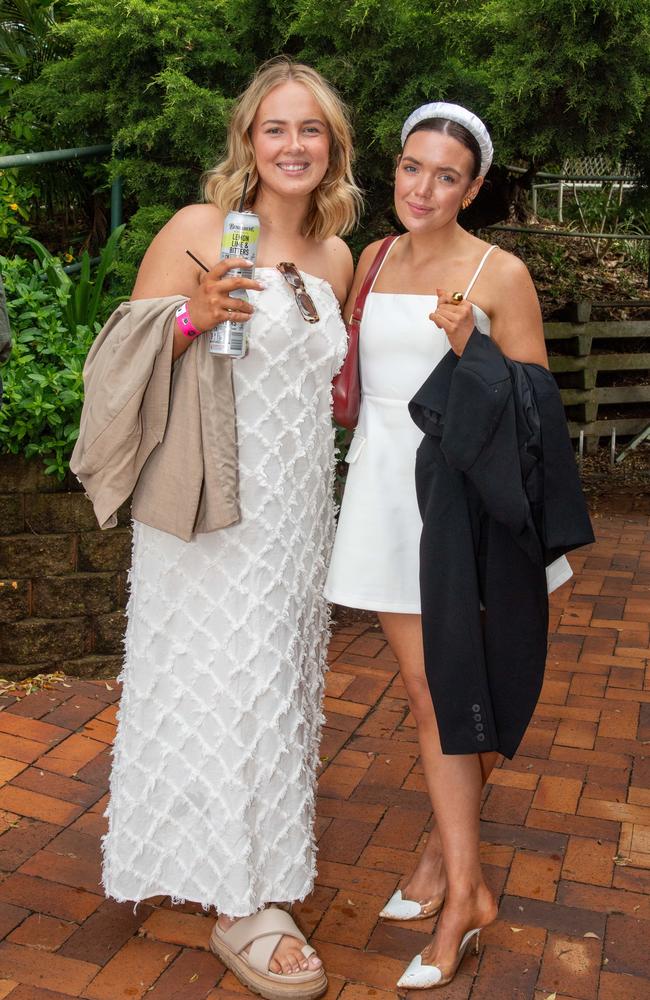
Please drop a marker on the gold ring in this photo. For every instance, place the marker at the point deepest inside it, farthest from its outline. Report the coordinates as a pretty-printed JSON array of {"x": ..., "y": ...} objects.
[{"x": 457, "y": 297}]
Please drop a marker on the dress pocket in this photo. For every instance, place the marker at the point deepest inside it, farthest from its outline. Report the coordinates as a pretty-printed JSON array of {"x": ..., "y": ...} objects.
[{"x": 355, "y": 449}]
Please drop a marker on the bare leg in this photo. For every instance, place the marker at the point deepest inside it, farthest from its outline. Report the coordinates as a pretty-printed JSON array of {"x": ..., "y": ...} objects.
[
  {"x": 455, "y": 783},
  {"x": 287, "y": 957},
  {"x": 469, "y": 903},
  {"x": 404, "y": 634}
]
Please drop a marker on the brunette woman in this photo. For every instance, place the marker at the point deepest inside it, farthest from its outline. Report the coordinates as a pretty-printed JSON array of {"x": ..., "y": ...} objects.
[{"x": 434, "y": 277}]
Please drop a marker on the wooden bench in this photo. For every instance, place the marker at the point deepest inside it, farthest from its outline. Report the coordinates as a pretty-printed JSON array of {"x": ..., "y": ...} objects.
[{"x": 588, "y": 362}]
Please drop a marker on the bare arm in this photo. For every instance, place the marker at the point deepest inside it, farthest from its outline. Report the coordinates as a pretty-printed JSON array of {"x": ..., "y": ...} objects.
[
  {"x": 340, "y": 268},
  {"x": 515, "y": 316},
  {"x": 516, "y": 320},
  {"x": 167, "y": 270},
  {"x": 363, "y": 266}
]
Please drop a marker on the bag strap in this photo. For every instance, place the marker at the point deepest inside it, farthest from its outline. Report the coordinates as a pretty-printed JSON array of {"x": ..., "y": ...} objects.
[{"x": 357, "y": 312}]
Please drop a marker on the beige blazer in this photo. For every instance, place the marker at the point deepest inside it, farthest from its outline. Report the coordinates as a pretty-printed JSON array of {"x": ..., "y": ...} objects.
[{"x": 163, "y": 432}]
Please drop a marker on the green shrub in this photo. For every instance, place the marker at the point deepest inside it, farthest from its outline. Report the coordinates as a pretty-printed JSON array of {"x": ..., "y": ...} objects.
[
  {"x": 157, "y": 77},
  {"x": 43, "y": 378},
  {"x": 82, "y": 295},
  {"x": 17, "y": 191}
]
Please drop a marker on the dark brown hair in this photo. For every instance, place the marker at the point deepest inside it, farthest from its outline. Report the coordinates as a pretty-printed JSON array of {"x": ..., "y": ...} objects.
[{"x": 456, "y": 131}]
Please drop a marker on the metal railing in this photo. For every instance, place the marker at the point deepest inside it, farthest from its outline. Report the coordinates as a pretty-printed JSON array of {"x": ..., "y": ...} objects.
[
  {"x": 74, "y": 153},
  {"x": 566, "y": 233}
]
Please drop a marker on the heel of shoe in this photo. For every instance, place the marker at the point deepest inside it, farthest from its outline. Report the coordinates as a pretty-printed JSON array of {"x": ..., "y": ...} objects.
[{"x": 472, "y": 938}]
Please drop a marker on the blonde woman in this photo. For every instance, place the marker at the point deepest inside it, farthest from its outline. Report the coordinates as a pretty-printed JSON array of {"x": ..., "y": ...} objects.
[{"x": 212, "y": 789}]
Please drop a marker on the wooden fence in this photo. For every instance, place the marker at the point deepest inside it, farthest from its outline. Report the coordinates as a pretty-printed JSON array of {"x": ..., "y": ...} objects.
[{"x": 587, "y": 358}]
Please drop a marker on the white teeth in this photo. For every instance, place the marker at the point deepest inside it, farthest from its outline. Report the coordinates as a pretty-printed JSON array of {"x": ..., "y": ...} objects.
[{"x": 293, "y": 167}]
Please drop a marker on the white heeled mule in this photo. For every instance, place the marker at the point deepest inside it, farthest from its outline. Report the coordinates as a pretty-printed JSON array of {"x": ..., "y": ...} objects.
[
  {"x": 400, "y": 908},
  {"x": 418, "y": 976}
]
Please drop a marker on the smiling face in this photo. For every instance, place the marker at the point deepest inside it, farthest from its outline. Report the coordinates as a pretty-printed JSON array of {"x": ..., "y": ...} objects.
[
  {"x": 433, "y": 176},
  {"x": 291, "y": 141}
]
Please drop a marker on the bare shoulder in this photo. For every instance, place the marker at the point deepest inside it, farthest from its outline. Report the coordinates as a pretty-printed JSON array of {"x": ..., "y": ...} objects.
[
  {"x": 506, "y": 268},
  {"x": 338, "y": 249},
  {"x": 198, "y": 224},
  {"x": 366, "y": 258},
  {"x": 370, "y": 252},
  {"x": 363, "y": 264},
  {"x": 339, "y": 265},
  {"x": 166, "y": 269},
  {"x": 516, "y": 318}
]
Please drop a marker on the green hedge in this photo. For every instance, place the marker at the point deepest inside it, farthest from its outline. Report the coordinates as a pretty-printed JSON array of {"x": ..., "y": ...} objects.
[
  {"x": 43, "y": 385},
  {"x": 552, "y": 78}
]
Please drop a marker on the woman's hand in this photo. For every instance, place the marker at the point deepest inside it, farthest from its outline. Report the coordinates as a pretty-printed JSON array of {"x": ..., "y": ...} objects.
[
  {"x": 456, "y": 318},
  {"x": 212, "y": 303}
]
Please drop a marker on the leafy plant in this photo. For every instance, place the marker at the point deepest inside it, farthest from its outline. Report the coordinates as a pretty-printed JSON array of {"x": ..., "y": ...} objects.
[
  {"x": 17, "y": 192},
  {"x": 14, "y": 205},
  {"x": 81, "y": 296},
  {"x": 43, "y": 381},
  {"x": 26, "y": 39}
]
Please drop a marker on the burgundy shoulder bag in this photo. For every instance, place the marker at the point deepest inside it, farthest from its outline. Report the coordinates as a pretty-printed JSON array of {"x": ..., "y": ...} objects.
[{"x": 346, "y": 386}]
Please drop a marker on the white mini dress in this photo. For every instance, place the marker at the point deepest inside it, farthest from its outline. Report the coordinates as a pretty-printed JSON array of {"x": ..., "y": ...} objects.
[{"x": 375, "y": 560}]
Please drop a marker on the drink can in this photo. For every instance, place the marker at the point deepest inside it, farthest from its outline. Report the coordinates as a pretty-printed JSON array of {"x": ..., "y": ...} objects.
[{"x": 241, "y": 234}]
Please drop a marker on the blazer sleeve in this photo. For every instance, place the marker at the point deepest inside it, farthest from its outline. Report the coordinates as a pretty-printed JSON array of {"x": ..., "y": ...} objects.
[
  {"x": 479, "y": 393},
  {"x": 127, "y": 379},
  {"x": 463, "y": 400},
  {"x": 566, "y": 523}
]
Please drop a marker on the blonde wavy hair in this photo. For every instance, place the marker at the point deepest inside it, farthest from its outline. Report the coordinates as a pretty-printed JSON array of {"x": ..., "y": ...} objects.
[{"x": 336, "y": 202}]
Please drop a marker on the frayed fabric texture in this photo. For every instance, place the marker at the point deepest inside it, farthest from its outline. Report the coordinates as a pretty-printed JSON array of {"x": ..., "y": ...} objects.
[{"x": 214, "y": 766}]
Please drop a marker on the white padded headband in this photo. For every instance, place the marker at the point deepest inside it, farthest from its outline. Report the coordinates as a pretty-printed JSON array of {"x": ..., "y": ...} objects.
[{"x": 455, "y": 113}]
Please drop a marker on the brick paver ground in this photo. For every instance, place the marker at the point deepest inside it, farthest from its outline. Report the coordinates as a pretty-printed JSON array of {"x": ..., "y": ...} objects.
[{"x": 566, "y": 826}]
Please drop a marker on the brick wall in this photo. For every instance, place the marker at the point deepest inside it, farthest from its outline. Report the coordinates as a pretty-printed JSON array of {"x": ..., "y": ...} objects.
[{"x": 62, "y": 580}]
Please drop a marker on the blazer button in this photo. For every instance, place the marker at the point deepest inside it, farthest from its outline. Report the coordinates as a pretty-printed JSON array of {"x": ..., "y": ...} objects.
[
  {"x": 479, "y": 727},
  {"x": 476, "y": 708},
  {"x": 478, "y": 717},
  {"x": 480, "y": 737}
]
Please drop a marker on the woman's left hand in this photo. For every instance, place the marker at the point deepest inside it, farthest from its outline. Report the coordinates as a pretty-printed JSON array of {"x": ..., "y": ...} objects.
[{"x": 455, "y": 318}]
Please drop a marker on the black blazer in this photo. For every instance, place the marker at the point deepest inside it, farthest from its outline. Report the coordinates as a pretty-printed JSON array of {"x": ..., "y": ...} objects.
[
  {"x": 502, "y": 424},
  {"x": 500, "y": 499}
]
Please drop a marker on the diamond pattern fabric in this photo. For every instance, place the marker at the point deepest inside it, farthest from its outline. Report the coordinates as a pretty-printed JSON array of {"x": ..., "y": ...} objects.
[{"x": 212, "y": 786}]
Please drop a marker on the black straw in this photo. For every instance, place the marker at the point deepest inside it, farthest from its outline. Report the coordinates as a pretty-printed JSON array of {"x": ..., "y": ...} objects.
[
  {"x": 196, "y": 259},
  {"x": 243, "y": 194}
]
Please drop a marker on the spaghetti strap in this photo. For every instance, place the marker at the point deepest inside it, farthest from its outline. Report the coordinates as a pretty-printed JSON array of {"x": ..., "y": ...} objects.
[
  {"x": 479, "y": 269},
  {"x": 388, "y": 252}
]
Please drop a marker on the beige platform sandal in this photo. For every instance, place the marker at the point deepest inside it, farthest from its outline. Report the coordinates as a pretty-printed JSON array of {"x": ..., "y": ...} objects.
[{"x": 247, "y": 948}]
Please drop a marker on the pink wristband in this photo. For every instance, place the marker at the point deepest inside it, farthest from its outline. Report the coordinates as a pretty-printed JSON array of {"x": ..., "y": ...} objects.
[{"x": 185, "y": 324}]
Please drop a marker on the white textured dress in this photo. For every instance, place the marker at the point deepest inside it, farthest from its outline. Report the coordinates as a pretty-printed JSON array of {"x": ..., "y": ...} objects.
[
  {"x": 212, "y": 786},
  {"x": 375, "y": 561}
]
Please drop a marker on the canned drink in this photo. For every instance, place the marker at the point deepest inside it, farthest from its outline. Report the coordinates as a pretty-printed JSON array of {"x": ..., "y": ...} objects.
[{"x": 241, "y": 234}]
